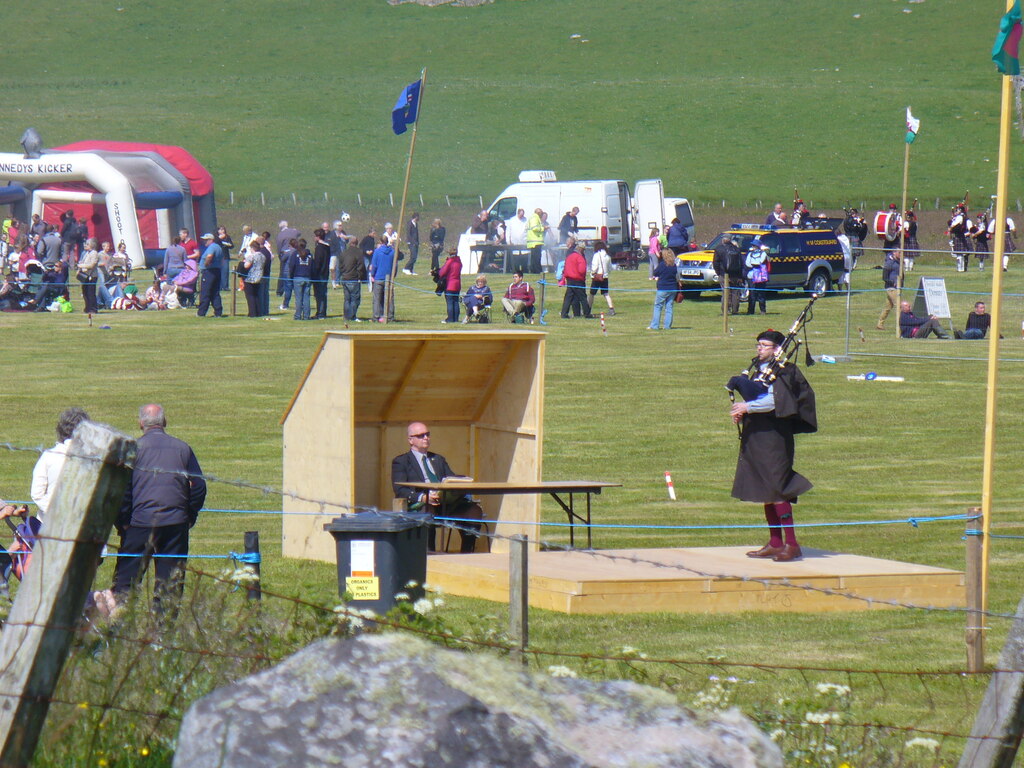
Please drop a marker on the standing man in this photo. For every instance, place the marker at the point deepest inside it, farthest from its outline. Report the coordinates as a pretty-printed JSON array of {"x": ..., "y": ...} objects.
[
  {"x": 367, "y": 246},
  {"x": 891, "y": 279},
  {"x": 413, "y": 241},
  {"x": 211, "y": 265},
  {"x": 515, "y": 229},
  {"x": 728, "y": 265},
  {"x": 569, "y": 225},
  {"x": 419, "y": 465},
  {"x": 352, "y": 271},
  {"x": 856, "y": 230},
  {"x": 338, "y": 240},
  {"x": 161, "y": 504},
  {"x": 575, "y": 274},
  {"x": 535, "y": 239},
  {"x": 771, "y": 414},
  {"x": 285, "y": 234},
  {"x": 380, "y": 275}
]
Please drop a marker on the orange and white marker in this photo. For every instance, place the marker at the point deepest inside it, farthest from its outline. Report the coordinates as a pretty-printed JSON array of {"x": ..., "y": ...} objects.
[
  {"x": 604, "y": 330},
  {"x": 671, "y": 488}
]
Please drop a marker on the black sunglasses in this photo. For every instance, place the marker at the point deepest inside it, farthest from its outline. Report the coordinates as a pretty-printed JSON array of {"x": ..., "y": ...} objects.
[{"x": 421, "y": 435}]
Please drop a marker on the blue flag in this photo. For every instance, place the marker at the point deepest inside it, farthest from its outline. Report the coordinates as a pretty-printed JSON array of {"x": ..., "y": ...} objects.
[{"x": 406, "y": 108}]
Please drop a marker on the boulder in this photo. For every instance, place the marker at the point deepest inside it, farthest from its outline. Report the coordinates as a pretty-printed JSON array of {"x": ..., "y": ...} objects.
[{"x": 396, "y": 701}]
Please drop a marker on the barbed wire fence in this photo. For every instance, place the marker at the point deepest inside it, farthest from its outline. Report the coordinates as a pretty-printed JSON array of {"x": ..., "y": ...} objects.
[{"x": 144, "y": 672}]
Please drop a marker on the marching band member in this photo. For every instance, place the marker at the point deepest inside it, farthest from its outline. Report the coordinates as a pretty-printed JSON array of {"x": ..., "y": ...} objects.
[
  {"x": 958, "y": 227},
  {"x": 911, "y": 248},
  {"x": 1009, "y": 245}
]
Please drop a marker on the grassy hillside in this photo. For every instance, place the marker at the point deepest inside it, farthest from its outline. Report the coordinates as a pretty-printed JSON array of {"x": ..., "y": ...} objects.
[{"x": 735, "y": 99}]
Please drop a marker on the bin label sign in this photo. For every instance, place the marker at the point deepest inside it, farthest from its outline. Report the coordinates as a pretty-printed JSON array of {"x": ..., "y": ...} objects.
[
  {"x": 361, "y": 557},
  {"x": 363, "y": 588}
]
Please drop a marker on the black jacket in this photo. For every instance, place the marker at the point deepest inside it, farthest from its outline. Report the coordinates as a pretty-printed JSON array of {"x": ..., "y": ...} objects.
[
  {"x": 164, "y": 497},
  {"x": 405, "y": 468}
]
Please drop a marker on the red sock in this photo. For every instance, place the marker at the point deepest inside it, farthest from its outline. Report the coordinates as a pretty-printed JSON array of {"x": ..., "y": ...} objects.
[
  {"x": 784, "y": 511},
  {"x": 773, "y": 525}
]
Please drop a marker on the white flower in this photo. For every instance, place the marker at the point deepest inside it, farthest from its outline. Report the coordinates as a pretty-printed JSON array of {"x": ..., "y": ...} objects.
[
  {"x": 401, "y": 596},
  {"x": 777, "y": 734},
  {"x": 438, "y": 602},
  {"x": 823, "y": 718},
  {"x": 832, "y": 688},
  {"x": 930, "y": 744},
  {"x": 558, "y": 670},
  {"x": 411, "y": 584},
  {"x": 423, "y": 606}
]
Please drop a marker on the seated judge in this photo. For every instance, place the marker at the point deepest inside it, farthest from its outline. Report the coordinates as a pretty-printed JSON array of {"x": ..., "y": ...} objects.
[{"x": 419, "y": 465}]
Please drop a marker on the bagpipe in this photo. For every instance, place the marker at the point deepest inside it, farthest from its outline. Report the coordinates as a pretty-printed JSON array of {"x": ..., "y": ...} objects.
[{"x": 753, "y": 386}]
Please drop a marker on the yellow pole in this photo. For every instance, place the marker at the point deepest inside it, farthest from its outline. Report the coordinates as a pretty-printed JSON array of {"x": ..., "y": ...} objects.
[
  {"x": 389, "y": 295},
  {"x": 1006, "y": 118},
  {"x": 903, "y": 233}
]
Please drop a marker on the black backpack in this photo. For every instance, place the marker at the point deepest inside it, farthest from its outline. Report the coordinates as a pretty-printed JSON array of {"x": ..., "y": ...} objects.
[{"x": 734, "y": 261}]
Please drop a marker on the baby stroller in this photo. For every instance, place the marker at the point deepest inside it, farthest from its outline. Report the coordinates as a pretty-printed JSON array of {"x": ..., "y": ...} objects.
[
  {"x": 15, "y": 559},
  {"x": 185, "y": 283}
]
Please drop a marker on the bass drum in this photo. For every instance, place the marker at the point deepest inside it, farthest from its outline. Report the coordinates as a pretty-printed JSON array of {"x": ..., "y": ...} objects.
[{"x": 887, "y": 225}]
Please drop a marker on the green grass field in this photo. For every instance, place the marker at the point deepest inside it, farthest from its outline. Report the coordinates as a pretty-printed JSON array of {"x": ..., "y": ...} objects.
[
  {"x": 624, "y": 407},
  {"x": 737, "y": 99},
  {"x": 730, "y": 100}
]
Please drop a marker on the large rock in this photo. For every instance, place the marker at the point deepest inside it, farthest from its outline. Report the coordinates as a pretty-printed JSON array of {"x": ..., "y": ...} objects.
[{"x": 386, "y": 701}]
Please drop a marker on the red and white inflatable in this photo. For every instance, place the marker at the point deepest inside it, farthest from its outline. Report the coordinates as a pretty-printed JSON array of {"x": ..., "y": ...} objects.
[{"x": 136, "y": 192}]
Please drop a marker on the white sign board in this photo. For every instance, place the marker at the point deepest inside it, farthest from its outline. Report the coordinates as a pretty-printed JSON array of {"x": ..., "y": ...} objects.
[{"x": 931, "y": 298}]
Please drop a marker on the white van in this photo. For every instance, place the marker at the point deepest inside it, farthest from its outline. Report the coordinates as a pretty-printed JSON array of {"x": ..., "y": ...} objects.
[{"x": 607, "y": 210}]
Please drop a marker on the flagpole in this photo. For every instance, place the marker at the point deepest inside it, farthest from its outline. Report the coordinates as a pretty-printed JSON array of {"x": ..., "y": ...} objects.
[
  {"x": 1006, "y": 118},
  {"x": 903, "y": 232},
  {"x": 389, "y": 298}
]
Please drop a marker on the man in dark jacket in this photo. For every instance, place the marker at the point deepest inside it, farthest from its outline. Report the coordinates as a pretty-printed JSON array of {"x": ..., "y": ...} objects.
[
  {"x": 161, "y": 504},
  {"x": 728, "y": 265},
  {"x": 772, "y": 413},
  {"x": 914, "y": 327},
  {"x": 420, "y": 465},
  {"x": 352, "y": 273}
]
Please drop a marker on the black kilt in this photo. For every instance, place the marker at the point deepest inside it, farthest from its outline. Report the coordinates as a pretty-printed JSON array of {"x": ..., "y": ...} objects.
[{"x": 764, "y": 470}]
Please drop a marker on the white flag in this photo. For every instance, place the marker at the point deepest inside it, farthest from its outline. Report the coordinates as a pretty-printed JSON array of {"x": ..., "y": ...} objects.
[{"x": 913, "y": 126}]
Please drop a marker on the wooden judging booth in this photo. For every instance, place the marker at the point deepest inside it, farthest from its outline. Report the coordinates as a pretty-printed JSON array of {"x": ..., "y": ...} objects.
[{"x": 481, "y": 392}]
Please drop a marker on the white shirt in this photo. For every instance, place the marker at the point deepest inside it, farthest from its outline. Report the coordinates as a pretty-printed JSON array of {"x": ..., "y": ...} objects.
[
  {"x": 1009, "y": 226},
  {"x": 515, "y": 231},
  {"x": 601, "y": 264},
  {"x": 45, "y": 474}
]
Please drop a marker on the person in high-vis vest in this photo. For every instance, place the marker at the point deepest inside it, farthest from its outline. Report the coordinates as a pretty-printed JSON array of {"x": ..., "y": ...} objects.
[{"x": 535, "y": 239}]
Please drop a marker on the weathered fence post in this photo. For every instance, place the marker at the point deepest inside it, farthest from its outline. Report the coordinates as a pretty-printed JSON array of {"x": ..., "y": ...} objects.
[
  {"x": 997, "y": 729},
  {"x": 975, "y": 636},
  {"x": 252, "y": 548},
  {"x": 518, "y": 596},
  {"x": 46, "y": 612}
]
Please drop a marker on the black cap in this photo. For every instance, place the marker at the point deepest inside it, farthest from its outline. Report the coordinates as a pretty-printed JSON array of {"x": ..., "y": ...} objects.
[{"x": 774, "y": 337}]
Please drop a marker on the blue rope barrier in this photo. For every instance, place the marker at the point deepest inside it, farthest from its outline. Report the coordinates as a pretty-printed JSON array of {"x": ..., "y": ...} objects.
[
  {"x": 252, "y": 558},
  {"x": 914, "y": 521}
]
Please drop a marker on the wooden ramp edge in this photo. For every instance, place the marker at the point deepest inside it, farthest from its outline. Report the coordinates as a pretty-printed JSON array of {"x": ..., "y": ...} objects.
[{"x": 701, "y": 580}]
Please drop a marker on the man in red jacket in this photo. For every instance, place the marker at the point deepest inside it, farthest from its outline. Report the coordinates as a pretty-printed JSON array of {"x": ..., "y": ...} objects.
[{"x": 575, "y": 275}]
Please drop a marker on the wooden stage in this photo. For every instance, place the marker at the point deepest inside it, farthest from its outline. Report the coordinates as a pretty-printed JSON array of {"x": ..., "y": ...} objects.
[{"x": 699, "y": 580}]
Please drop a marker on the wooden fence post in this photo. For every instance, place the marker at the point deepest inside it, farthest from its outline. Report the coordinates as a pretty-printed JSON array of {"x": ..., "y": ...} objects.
[
  {"x": 975, "y": 636},
  {"x": 252, "y": 547},
  {"x": 518, "y": 596},
  {"x": 997, "y": 729},
  {"x": 48, "y": 608}
]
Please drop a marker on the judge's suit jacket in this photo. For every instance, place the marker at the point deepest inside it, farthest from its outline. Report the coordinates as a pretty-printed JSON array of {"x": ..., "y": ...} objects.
[{"x": 406, "y": 468}]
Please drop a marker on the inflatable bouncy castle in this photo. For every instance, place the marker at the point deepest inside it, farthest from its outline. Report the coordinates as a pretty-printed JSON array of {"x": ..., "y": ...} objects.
[{"x": 138, "y": 193}]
